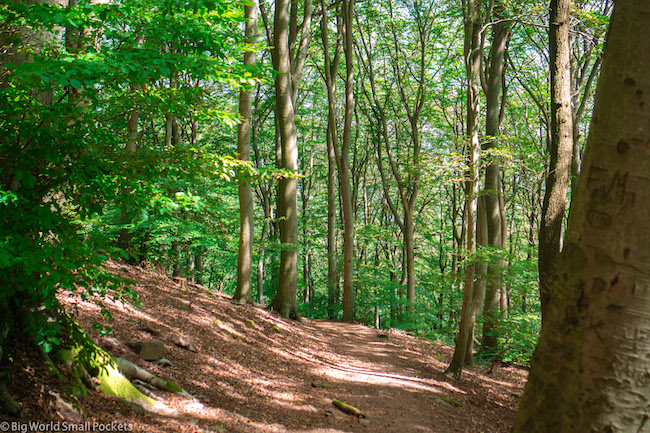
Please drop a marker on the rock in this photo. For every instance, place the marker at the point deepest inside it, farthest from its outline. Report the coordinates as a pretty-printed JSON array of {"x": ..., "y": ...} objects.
[
  {"x": 149, "y": 350},
  {"x": 110, "y": 343},
  {"x": 183, "y": 341},
  {"x": 66, "y": 410}
]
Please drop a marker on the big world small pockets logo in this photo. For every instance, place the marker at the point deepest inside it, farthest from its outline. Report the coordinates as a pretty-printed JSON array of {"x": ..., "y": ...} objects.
[{"x": 63, "y": 426}]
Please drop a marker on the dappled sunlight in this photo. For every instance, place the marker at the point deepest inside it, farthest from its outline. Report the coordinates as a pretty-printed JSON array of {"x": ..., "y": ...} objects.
[
  {"x": 353, "y": 374},
  {"x": 256, "y": 372}
]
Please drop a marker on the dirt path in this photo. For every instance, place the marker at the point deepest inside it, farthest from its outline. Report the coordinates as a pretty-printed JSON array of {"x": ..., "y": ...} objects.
[{"x": 254, "y": 372}]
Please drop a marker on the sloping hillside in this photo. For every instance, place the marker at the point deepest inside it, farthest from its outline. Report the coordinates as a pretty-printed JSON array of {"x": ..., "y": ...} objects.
[{"x": 250, "y": 371}]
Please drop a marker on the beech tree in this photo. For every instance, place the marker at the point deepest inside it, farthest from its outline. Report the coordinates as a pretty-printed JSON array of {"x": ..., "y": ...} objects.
[
  {"x": 343, "y": 163},
  {"x": 464, "y": 340},
  {"x": 245, "y": 256},
  {"x": 493, "y": 195},
  {"x": 330, "y": 67},
  {"x": 590, "y": 369},
  {"x": 285, "y": 301},
  {"x": 561, "y": 147}
]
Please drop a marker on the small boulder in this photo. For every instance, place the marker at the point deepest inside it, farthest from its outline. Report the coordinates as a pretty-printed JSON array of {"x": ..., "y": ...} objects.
[
  {"x": 65, "y": 410},
  {"x": 111, "y": 344},
  {"x": 149, "y": 350},
  {"x": 183, "y": 341}
]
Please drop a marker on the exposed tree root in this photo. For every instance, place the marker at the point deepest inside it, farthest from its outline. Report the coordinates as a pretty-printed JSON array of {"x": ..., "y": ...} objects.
[
  {"x": 87, "y": 360},
  {"x": 132, "y": 372},
  {"x": 7, "y": 403},
  {"x": 350, "y": 410}
]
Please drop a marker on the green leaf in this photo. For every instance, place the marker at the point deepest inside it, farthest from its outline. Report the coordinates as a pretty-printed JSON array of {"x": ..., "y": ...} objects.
[{"x": 76, "y": 84}]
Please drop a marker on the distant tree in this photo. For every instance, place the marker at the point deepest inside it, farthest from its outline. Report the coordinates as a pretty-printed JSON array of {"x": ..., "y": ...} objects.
[
  {"x": 590, "y": 369},
  {"x": 330, "y": 67}
]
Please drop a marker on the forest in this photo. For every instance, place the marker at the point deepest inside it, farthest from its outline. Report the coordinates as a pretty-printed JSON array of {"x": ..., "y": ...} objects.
[{"x": 461, "y": 171}]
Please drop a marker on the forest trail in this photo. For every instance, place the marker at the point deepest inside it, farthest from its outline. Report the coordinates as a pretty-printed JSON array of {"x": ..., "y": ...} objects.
[{"x": 255, "y": 372}]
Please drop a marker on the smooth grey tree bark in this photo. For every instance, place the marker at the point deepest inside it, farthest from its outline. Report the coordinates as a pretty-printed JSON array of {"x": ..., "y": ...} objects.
[
  {"x": 243, "y": 293},
  {"x": 343, "y": 164},
  {"x": 329, "y": 73},
  {"x": 472, "y": 52},
  {"x": 492, "y": 189},
  {"x": 285, "y": 301},
  {"x": 590, "y": 369}
]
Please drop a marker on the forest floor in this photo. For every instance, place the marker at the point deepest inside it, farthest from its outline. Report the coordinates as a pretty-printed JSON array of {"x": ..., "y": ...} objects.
[{"x": 255, "y": 372}]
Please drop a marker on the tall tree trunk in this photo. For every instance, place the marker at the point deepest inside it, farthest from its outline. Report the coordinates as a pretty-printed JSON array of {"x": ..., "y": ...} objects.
[
  {"x": 590, "y": 369},
  {"x": 243, "y": 293},
  {"x": 492, "y": 190},
  {"x": 557, "y": 182},
  {"x": 343, "y": 162},
  {"x": 472, "y": 52},
  {"x": 330, "y": 69},
  {"x": 285, "y": 301}
]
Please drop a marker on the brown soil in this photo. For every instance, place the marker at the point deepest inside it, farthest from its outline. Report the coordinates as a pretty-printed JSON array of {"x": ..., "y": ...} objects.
[{"x": 255, "y": 372}]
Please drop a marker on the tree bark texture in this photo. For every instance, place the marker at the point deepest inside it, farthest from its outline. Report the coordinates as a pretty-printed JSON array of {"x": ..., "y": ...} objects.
[
  {"x": 343, "y": 163},
  {"x": 330, "y": 68},
  {"x": 243, "y": 293},
  {"x": 590, "y": 369},
  {"x": 557, "y": 182},
  {"x": 492, "y": 190},
  {"x": 472, "y": 25},
  {"x": 285, "y": 301}
]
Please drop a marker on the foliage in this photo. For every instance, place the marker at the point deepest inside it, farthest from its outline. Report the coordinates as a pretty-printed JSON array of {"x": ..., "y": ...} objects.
[
  {"x": 117, "y": 140},
  {"x": 66, "y": 92}
]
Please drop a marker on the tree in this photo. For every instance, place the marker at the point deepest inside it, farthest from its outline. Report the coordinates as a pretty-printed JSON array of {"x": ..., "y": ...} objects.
[
  {"x": 245, "y": 256},
  {"x": 330, "y": 67},
  {"x": 413, "y": 100},
  {"x": 285, "y": 301},
  {"x": 343, "y": 163},
  {"x": 472, "y": 25},
  {"x": 561, "y": 147},
  {"x": 589, "y": 372},
  {"x": 492, "y": 189}
]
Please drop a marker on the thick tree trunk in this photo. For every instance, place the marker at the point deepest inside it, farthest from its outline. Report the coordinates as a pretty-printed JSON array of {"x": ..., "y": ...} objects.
[
  {"x": 285, "y": 301},
  {"x": 243, "y": 293},
  {"x": 557, "y": 182},
  {"x": 590, "y": 369}
]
